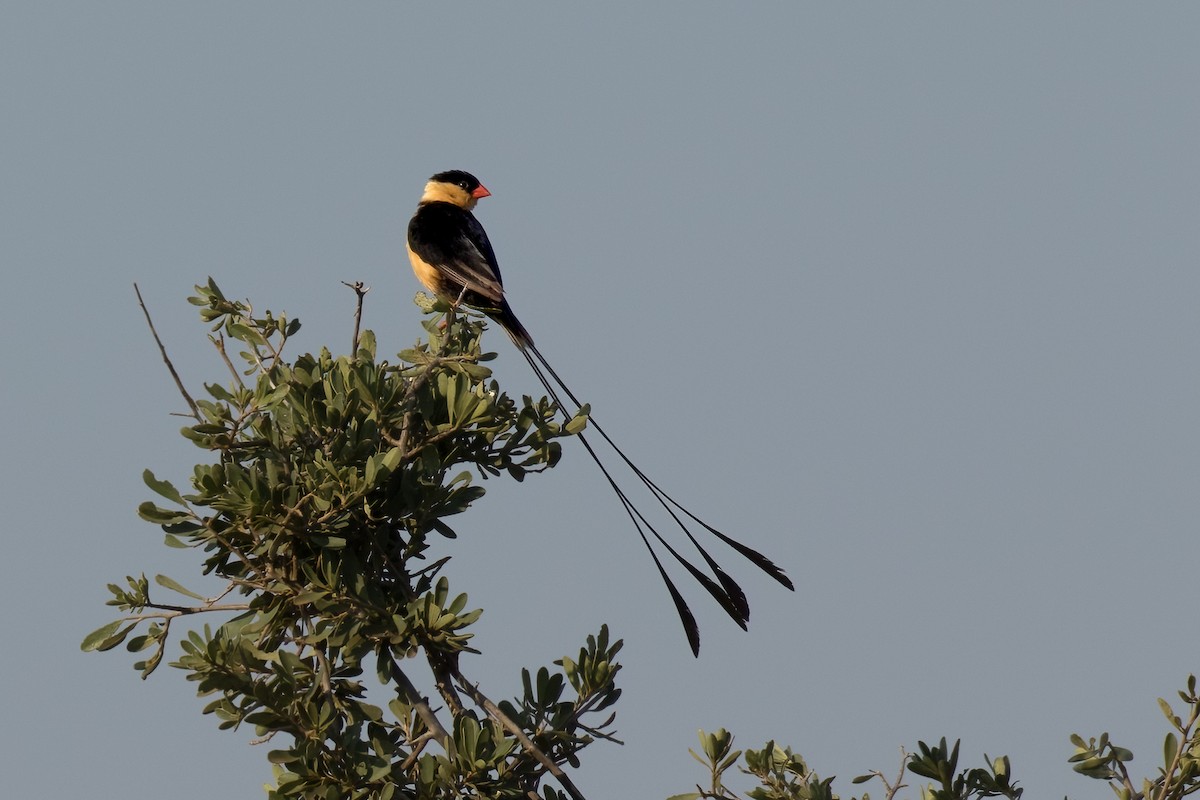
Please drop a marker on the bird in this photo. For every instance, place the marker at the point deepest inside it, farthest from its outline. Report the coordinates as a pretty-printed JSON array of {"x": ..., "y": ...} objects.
[{"x": 452, "y": 256}]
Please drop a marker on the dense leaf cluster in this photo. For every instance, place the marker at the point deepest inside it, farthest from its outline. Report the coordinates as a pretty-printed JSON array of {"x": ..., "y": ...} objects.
[
  {"x": 323, "y": 481},
  {"x": 326, "y": 478},
  {"x": 780, "y": 774}
]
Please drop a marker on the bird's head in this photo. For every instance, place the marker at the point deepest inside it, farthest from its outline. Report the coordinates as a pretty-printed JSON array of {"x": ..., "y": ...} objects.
[{"x": 455, "y": 186}]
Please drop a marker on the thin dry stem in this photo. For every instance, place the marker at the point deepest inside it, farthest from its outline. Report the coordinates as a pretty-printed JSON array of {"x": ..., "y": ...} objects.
[
  {"x": 170, "y": 612},
  {"x": 892, "y": 788},
  {"x": 360, "y": 291},
  {"x": 166, "y": 359},
  {"x": 414, "y": 699},
  {"x": 219, "y": 343},
  {"x": 493, "y": 711}
]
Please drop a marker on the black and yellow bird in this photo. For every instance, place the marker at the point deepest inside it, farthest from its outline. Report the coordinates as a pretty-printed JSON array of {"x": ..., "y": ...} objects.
[{"x": 451, "y": 256}]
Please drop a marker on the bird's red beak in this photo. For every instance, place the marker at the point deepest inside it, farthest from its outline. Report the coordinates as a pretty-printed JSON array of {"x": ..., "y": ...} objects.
[{"x": 481, "y": 191}]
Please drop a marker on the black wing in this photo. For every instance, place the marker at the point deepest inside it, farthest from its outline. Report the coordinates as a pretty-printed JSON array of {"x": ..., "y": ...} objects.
[{"x": 452, "y": 241}]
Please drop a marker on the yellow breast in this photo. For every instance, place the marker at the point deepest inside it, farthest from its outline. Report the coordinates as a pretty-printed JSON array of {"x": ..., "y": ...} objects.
[{"x": 426, "y": 273}]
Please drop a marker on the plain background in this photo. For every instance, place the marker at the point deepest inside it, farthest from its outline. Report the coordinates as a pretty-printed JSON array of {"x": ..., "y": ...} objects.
[{"x": 903, "y": 295}]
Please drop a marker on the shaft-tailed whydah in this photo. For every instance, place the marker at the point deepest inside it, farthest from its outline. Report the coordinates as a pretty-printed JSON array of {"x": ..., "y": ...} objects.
[{"x": 451, "y": 256}]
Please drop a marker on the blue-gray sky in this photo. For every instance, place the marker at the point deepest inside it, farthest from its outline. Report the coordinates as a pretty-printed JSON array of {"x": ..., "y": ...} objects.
[{"x": 903, "y": 295}]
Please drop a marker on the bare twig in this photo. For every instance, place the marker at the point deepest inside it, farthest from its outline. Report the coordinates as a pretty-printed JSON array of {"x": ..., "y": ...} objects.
[
  {"x": 414, "y": 699},
  {"x": 326, "y": 673},
  {"x": 166, "y": 359},
  {"x": 443, "y": 671},
  {"x": 278, "y": 351},
  {"x": 892, "y": 788},
  {"x": 495, "y": 713},
  {"x": 418, "y": 746},
  {"x": 219, "y": 343},
  {"x": 1127, "y": 780},
  {"x": 432, "y": 568},
  {"x": 169, "y": 611},
  {"x": 596, "y": 731},
  {"x": 405, "y": 428},
  {"x": 224, "y": 592},
  {"x": 360, "y": 292}
]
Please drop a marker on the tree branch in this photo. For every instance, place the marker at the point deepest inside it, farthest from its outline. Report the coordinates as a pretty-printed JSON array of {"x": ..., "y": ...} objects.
[
  {"x": 360, "y": 292},
  {"x": 442, "y": 672},
  {"x": 892, "y": 788},
  {"x": 182, "y": 611},
  {"x": 166, "y": 359},
  {"x": 414, "y": 699},
  {"x": 495, "y": 713},
  {"x": 219, "y": 343}
]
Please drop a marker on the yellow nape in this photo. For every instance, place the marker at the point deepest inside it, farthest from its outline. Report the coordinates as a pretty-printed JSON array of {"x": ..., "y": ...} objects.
[{"x": 438, "y": 192}]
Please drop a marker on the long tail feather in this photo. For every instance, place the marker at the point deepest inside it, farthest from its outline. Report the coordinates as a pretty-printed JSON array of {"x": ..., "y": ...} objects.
[
  {"x": 690, "y": 628},
  {"x": 752, "y": 555},
  {"x": 728, "y": 593},
  {"x": 639, "y": 519}
]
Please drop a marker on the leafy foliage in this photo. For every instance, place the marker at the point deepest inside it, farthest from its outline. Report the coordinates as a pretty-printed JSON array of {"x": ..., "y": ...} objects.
[
  {"x": 1179, "y": 774},
  {"x": 328, "y": 482},
  {"x": 325, "y": 480},
  {"x": 781, "y": 774}
]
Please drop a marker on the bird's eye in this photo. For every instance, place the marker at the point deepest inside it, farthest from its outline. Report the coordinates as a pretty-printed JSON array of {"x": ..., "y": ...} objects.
[{"x": 465, "y": 184}]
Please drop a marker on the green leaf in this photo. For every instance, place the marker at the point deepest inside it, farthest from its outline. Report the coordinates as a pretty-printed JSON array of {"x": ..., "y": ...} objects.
[
  {"x": 391, "y": 459},
  {"x": 163, "y": 580},
  {"x": 331, "y": 542},
  {"x": 1090, "y": 764},
  {"x": 219, "y": 392},
  {"x": 579, "y": 422},
  {"x": 1170, "y": 749},
  {"x": 150, "y": 664},
  {"x": 425, "y": 302},
  {"x": 152, "y": 513},
  {"x": 729, "y": 760},
  {"x": 106, "y": 637},
  {"x": 245, "y": 333},
  {"x": 163, "y": 488},
  {"x": 99, "y": 635},
  {"x": 139, "y": 643},
  {"x": 273, "y": 397},
  {"x": 412, "y": 356}
]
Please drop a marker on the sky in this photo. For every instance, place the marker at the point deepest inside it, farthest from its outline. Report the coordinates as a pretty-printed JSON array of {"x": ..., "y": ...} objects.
[{"x": 903, "y": 295}]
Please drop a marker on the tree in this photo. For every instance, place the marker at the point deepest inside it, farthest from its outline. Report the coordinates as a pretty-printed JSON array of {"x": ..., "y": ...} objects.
[
  {"x": 323, "y": 482},
  {"x": 781, "y": 774}
]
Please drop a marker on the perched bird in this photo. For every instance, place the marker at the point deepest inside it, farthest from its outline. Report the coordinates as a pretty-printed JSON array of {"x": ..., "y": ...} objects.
[{"x": 452, "y": 257}]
